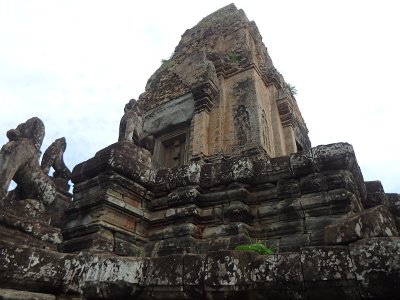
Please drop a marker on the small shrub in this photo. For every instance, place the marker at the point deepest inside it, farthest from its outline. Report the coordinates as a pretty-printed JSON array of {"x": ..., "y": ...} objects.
[{"x": 292, "y": 89}]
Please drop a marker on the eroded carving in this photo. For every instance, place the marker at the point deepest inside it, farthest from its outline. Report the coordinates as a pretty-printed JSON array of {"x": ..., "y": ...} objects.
[
  {"x": 19, "y": 161},
  {"x": 265, "y": 131},
  {"x": 242, "y": 125},
  {"x": 131, "y": 126},
  {"x": 32, "y": 129},
  {"x": 54, "y": 157}
]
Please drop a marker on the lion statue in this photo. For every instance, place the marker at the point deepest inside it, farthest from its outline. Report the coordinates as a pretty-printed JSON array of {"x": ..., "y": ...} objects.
[
  {"x": 19, "y": 161},
  {"x": 131, "y": 127}
]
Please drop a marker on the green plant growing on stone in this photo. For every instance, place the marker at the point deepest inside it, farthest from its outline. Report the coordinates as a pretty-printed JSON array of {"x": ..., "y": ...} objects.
[
  {"x": 257, "y": 247},
  {"x": 167, "y": 63},
  {"x": 233, "y": 57},
  {"x": 292, "y": 89}
]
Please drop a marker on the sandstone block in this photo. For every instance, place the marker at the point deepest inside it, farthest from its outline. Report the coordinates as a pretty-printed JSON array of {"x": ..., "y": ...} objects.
[
  {"x": 211, "y": 175},
  {"x": 227, "y": 268},
  {"x": 292, "y": 242},
  {"x": 237, "y": 211},
  {"x": 172, "y": 113},
  {"x": 288, "y": 276},
  {"x": 374, "y": 222},
  {"x": 234, "y": 228},
  {"x": 127, "y": 245},
  {"x": 266, "y": 192},
  {"x": 333, "y": 202},
  {"x": 188, "y": 174},
  {"x": 193, "y": 276},
  {"x": 377, "y": 267},
  {"x": 260, "y": 171},
  {"x": 124, "y": 158},
  {"x": 30, "y": 229},
  {"x": 375, "y": 194},
  {"x": 394, "y": 208},
  {"x": 289, "y": 188},
  {"x": 172, "y": 246},
  {"x": 279, "y": 168},
  {"x": 339, "y": 156},
  {"x": 277, "y": 276},
  {"x": 282, "y": 210},
  {"x": 242, "y": 169},
  {"x": 182, "y": 196},
  {"x": 328, "y": 273},
  {"x": 328, "y": 180},
  {"x": 302, "y": 163},
  {"x": 315, "y": 227},
  {"x": 175, "y": 231},
  {"x": 164, "y": 271},
  {"x": 313, "y": 183},
  {"x": 39, "y": 270}
]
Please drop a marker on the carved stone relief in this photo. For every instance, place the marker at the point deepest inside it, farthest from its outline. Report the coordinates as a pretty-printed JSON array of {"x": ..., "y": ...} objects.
[
  {"x": 265, "y": 131},
  {"x": 242, "y": 125}
]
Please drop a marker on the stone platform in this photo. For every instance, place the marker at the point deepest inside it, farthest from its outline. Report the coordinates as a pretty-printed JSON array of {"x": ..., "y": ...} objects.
[{"x": 367, "y": 269}]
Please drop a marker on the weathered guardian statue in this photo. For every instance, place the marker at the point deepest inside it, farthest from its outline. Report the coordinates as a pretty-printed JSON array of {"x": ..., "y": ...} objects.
[
  {"x": 54, "y": 157},
  {"x": 131, "y": 127},
  {"x": 19, "y": 161}
]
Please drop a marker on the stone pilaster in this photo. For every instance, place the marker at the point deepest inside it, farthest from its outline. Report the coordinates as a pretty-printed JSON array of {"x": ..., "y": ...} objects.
[{"x": 204, "y": 95}]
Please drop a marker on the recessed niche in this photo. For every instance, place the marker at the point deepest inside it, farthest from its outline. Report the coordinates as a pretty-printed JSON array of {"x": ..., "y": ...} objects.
[{"x": 172, "y": 148}]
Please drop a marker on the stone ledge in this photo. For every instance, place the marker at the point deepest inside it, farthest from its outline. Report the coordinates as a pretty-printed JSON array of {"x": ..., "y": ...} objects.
[
  {"x": 10, "y": 294},
  {"x": 27, "y": 228},
  {"x": 315, "y": 271},
  {"x": 123, "y": 157},
  {"x": 127, "y": 159}
]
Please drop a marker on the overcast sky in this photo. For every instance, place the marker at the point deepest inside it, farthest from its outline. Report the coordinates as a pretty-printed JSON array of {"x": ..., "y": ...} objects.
[{"x": 75, "y": 64}]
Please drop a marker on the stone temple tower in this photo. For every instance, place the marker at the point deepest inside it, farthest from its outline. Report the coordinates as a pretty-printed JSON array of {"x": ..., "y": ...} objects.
[
  {"x": 213, "y": 111},
  {"x": 214, "y": 153},
  {"x": 220, "y": 94}
]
